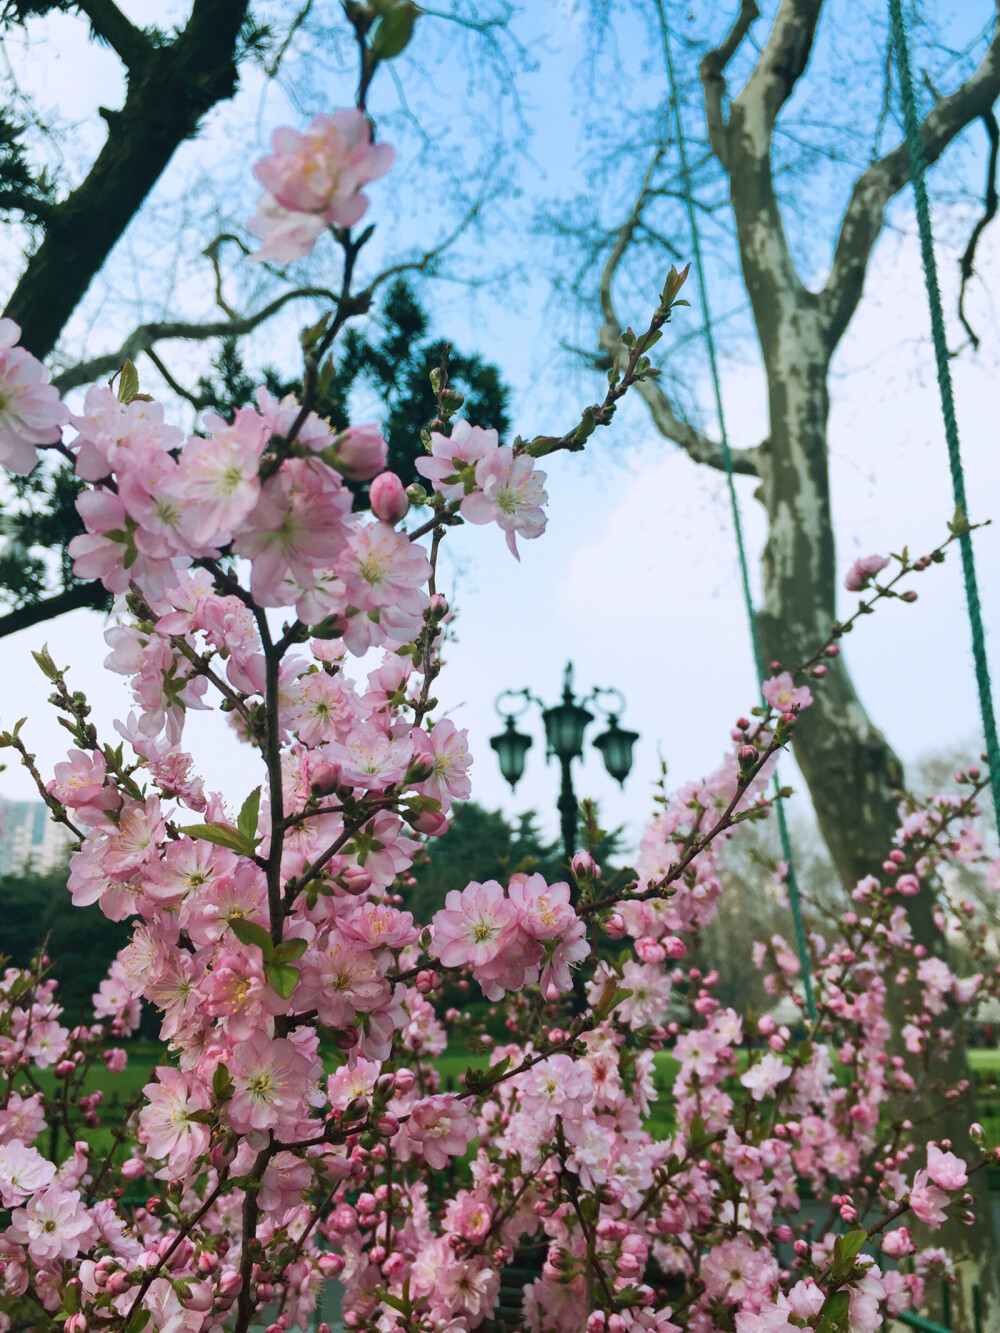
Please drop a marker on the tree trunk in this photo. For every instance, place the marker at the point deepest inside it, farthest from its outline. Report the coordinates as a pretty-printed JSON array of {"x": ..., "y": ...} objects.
[
  {"x": 170, "y": 89},
  {"x": 853, "y": 775}
]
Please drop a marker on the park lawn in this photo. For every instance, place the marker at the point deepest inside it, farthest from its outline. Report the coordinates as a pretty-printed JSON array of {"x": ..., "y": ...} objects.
[{"x": 119, "y": 1089}]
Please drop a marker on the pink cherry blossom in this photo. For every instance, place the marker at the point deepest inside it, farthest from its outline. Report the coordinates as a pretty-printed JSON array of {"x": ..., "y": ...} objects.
[
  {"x": 321, "y": 171},
  {"x": 782, "y": 693},
  {"x": 440, "y": 1127},
  {"x": 510, "y": 493},
  {"x": 31, "y": 413},
  {"x": 862, "y": 570},
  {"x": 166, "y": 1123}
]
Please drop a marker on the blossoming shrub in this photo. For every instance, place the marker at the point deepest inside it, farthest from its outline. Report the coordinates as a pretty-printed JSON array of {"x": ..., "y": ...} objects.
[{"x": 296, "y": 1130}]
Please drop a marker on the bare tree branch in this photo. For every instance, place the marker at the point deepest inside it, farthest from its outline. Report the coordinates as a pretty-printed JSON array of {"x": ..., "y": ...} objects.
[
  {"x": 712, "y": 70},
  {"x": 672, "y": 427},
  {"x": 863, "y": 219},
  {"x": 989, "y": 213},
  {"x": 146, "y": 336},
  {"x": 107, "y": 22},
  {"x": 778, "y": 69}
]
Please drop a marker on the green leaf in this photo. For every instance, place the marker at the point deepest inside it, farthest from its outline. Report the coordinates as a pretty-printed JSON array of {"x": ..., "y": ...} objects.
[
  {"x": 128, "y": 383},
  {"x": 248, "y": 932},
  {"x": 288, "y": 951},
  {"x": 835, "y": 1313},
  {"x": 139, "y": 1320},
  {"x": 46, "y": 664},
  {"x": 247, "y": 821},
  {"x": 282, "y": 978},
  {"x": 223, "y": 835},
  {"x": 222, "y": 1084},
  {"x": 846, "y": 1249}
]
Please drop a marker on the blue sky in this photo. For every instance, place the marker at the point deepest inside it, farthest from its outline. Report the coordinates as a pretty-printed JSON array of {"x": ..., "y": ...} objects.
[{"x": 635, "y": 579}]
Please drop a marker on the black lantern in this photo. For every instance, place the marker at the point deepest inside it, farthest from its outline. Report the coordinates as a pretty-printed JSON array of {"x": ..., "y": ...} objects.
[
  {"x": 565, "y": 724},
  {"x": 615, "y": 746},
  {"x": 564, "y": 728},
  {"x": 511, "y": 747}
]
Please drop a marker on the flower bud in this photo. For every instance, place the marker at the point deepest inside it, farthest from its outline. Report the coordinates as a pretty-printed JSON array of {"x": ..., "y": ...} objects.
[
  {"x": 439, "y": 605},
  {"x": 76, "y": 1323},
  {"x": 330, "y": 1265},
  {"x": 325, "y": 778},
  {"x": 585, "y": 867},
  {"x": 389, "y": 501},
  {"x": 230, "y": 1282},
  {"x": 388, "y": 1124},
  {"x": 405, "y": 1079},
  {"x": 355, "y": 880},
  {"x": 615, "y": 926},
  {"x": 431, "y": 825},
  {"x": 358, "y": 452},
  {"x": 133, "y": 1169}
]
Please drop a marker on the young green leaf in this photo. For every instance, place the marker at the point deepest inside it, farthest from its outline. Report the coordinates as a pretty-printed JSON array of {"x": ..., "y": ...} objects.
[
  {"x": 248, "y": 932},
  {"x": 247, "y": 821},
  {"x": 281, "y": 977}
]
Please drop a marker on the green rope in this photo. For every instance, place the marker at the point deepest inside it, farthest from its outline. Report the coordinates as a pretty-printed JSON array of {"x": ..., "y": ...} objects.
[
  {"x": 918, "y": 168},
  {"x": 727, "y": 459}
]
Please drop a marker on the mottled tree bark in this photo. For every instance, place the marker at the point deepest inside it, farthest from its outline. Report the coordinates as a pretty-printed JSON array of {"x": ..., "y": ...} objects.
[{"x": 853, "y": 775}]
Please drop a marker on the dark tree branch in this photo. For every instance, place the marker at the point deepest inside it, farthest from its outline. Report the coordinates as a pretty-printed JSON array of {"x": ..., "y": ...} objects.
[
  {"x": 169, "y": 93},
  {"x": 90, "y": 595},
  {"x": 989, "y": 213},
  {"x": 107, "y": 22},
  {"x": 877, "y": 184},
  {"x": 20, "y": 201}
]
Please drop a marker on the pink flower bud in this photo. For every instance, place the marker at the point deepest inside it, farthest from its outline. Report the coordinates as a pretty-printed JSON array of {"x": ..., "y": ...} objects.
[
  {"x": 650, "y": 949},
  {"x": 64, "y": 1068},
  {"x": 898, "y": 1243},
  {"x": 355, "y": 880},
  {"x": 612, "y": 1228},
  {"x": 389, "y": 501},
  {"x": 908, "y": 886},
  {"x": 325, "y": 778},
  {"x": 615, "y": 926},
  {"x": 230, "y": 1282},
  {"x": 439, "y": 605},
  {"x": 222, "y": 1155},
  {"x": 359, "y": 452},
  {"x": 133, "y": 1169},
  {"x": 585, "y": 867},
  {"x": 346, "y": 1038},
  {"x": 431, "y": 825},
  {"x": 76, "y": 1323},
  {"x": 207, "y": 1263},
  {"x": 388, "y": 1124},
  {"x": 330, "y": 1265},
  {"x": 405, "y": 1079}
]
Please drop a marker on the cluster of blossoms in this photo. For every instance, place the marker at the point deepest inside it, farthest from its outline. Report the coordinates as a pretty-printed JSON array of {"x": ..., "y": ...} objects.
[{"x": 296, "y": 1129}]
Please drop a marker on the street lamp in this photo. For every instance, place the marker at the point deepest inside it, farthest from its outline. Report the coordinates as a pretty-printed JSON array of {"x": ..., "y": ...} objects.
[{"x": 565, "y": 724}]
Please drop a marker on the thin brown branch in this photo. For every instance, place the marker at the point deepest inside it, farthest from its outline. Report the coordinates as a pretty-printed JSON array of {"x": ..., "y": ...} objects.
[
  {"x": 147, "y": 336},
  {"x": 989, "y": 213}
]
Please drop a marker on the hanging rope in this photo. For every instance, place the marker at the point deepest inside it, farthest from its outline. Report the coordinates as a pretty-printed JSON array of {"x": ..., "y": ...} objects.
[
  {"x": 727, "y": 459},
  {"x": 918, "y": 169}
]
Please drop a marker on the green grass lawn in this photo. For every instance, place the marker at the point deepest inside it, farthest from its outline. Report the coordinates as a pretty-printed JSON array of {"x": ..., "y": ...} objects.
[{"x": 119, "y": 1089}]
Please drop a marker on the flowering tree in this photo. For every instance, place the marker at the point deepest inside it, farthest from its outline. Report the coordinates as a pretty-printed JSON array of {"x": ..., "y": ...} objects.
[{"x": 296, "y": 1129}]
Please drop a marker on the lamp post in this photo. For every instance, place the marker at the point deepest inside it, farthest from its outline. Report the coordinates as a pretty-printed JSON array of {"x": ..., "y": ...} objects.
[{"x": 565, "y": 724}]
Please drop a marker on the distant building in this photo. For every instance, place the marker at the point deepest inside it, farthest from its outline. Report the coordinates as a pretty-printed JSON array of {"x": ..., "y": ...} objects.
[{"x": 29, "y": 838}]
